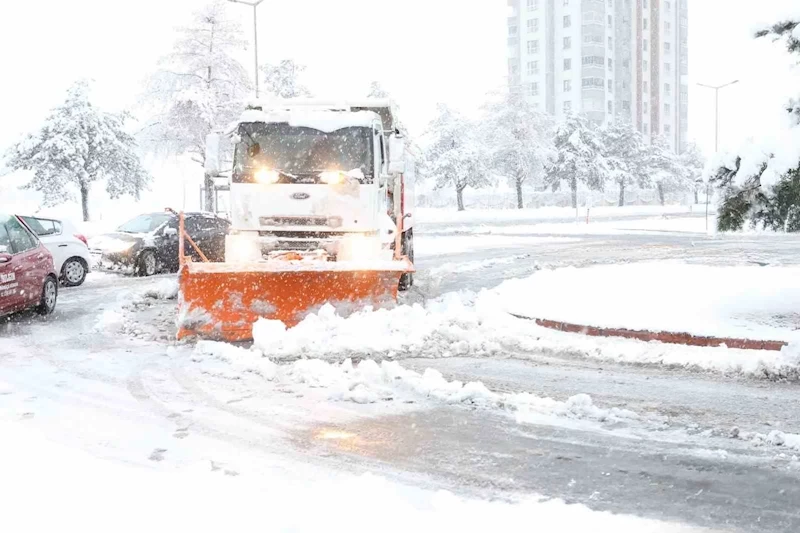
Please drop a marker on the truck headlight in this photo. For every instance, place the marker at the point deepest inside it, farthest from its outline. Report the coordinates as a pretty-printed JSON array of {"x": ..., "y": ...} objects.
[
  {"x": 331, "y": 177},
  {"x": 267, "y": 176}
]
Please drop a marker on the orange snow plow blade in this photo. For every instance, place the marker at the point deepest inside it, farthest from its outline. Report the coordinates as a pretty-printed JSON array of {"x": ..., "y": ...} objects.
[{"x": 223, "y": 300}]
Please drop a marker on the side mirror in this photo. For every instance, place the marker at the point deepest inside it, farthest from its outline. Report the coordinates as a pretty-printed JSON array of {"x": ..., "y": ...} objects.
[
  {"x": 170, "y": 232},
  {"x": 212, "y": 166},
  {"x": 397, "y": 154}
]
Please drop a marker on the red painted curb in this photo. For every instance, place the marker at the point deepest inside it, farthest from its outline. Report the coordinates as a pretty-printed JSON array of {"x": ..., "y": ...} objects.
[{"x": 661, "y": 336}]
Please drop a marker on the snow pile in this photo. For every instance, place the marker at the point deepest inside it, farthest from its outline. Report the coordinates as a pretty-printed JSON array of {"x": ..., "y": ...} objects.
[
  {"x": 371, "y": 382},
  {"x": 240, "y": 358},
  {"x": 74, "y": 489},
  {"x": 749, "y": 302},
  {"x": 165, "y": 289}
]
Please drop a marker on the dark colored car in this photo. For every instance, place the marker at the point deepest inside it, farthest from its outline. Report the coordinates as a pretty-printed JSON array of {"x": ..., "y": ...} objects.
[
  {"x": 27, "y": 277},
  {"x": 148, "y": 244}
]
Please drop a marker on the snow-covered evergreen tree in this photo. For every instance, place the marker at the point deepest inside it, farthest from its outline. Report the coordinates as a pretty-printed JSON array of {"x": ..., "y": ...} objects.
[
  {"x": 199, "y": 86},
  {"x": 578, "y": 157},
  {"x": 520, "y": 139},
  {"x": 455, "y": 156},
  {"x": 78, "y": 145},
  {"x": 377, "y": 91},
  {"x": 761, "y": 183},
  {"x": 626, "y": 153},
  {"x": 283, "y": 80}
]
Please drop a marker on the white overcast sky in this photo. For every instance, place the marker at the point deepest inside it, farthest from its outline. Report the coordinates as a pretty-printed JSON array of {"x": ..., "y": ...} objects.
[{"x": 423, "y": 51}]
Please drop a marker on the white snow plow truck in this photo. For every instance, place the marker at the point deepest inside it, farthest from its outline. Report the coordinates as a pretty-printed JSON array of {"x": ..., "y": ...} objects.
[{"x": 321, "y": 201}]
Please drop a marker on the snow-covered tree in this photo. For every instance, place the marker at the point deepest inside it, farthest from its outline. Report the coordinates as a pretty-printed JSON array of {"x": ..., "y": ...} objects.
[
  {"x": 662, "y": 166},
  {"x": 78, "y": 145},
  {"x": 283, "y": 80},
  {"x": 199, "y": 86},
  {"x": 520, "y": 140},
  {"x": 690, "y": 169},
  {"x": 578, "y": 157},
  {"x": 761, "y": 183},
  {"x": 377, "y": 91},
  {"x": 455, "y": 156},
  {"x": 626, "y": 153}
]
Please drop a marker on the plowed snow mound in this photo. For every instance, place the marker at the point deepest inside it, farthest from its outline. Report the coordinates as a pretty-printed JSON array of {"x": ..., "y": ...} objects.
[{"x": 696, "y": 299}]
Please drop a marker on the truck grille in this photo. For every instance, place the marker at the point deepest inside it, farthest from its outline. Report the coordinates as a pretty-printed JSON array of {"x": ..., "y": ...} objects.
[{"x": 295, "y": 221}]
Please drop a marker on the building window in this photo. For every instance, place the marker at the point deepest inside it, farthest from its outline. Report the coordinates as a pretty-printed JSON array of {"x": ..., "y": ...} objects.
[
  {"x": 567, "y": 21},
  {"x": 610, "y": 43},
  {"x": 667, "y": 89},
  {"x": 609, "y": 21},
  {"x": 667, "y": 25},
  {"x": 644, "y": 87},
  {"x": 567, "y": 86},
  {"x": 644, "y": 107},
  {"x": 644, "y": 45},
  {"x": 610, "y": 64},
  {"x": 610, "y": 86},
  {"x": 666, "y": 109},
  {"x": 610, "y": 108},
  {"x": 667, "y": 129},
  {"x": 644, "y": 65},
  {"x": 533, "y": 88},
  {"x": 566, "y": 3},
  {"x": 644, "y": 24},
  {"x": 667, "y": 5},
  {"x": 533, "y": 5},
  {"x": 568, "y": 64},
  {"x": 645, "y": 128},
  {"x": 567, "y": 43},
  {"x": 593, "y": 82},
  {"x": 667, "y": 68},
  {"x": 533, "y": 25},
  {"x": 533, "y": 47},
  {"x": 610, "y": 3},
  {"x": 567, "y": 106},
  {"x": 626, "y": 106},
  {"x": 644, "y": 4},
  {"x": 533, "y": 68},
  {"x": 666, "y": 47}
]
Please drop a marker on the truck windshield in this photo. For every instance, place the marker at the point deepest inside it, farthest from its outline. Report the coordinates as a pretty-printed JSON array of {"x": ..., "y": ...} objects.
[{"x": 301, "y": 153}]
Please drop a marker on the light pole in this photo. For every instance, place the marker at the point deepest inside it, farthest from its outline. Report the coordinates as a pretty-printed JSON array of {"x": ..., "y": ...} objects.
[
  {"x": 254, "y": 4},
  {"x": 716, "y": 89}
]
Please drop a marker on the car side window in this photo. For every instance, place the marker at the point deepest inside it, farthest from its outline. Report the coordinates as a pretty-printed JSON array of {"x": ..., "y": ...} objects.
[
  {"x": 192, "y": 226},
  {"x": 21, "y": 240},
  {"x": 5, "y": 241}
]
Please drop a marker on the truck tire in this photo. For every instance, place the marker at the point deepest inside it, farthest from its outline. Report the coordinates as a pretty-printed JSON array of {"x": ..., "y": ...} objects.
[{"x": 407, "y": 280}]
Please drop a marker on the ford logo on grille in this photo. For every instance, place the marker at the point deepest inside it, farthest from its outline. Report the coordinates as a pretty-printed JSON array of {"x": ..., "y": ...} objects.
[{"x": 300, "y": 196}]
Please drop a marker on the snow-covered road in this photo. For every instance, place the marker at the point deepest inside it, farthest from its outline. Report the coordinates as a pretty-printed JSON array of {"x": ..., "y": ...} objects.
[{"x": 671, "y": 444}]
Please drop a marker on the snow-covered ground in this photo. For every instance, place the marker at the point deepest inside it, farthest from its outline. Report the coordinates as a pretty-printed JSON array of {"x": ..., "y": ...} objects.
[{"x": 444, "y": 413}]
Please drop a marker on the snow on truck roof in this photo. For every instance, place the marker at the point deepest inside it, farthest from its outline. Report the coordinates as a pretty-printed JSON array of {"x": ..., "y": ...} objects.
[
  {"x": 322, "y": 115},
  {"x": 322, "y": 120}
]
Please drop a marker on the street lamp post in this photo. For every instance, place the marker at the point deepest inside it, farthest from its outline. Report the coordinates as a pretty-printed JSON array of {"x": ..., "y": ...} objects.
[
  {"x": 254, "y": 4},
  {"x": 716, "y": 89}
]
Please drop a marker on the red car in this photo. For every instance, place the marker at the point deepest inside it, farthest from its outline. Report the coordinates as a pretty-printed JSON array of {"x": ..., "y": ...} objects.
[{"x": 27, "y": 277}]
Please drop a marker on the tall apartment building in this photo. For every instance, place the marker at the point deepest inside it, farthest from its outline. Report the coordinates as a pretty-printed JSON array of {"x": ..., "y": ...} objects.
[{"x": 609, "y": 59}]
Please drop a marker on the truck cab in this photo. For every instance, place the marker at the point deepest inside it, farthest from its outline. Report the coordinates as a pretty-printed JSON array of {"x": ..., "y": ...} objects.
[{"x": 321, "y": 179}]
